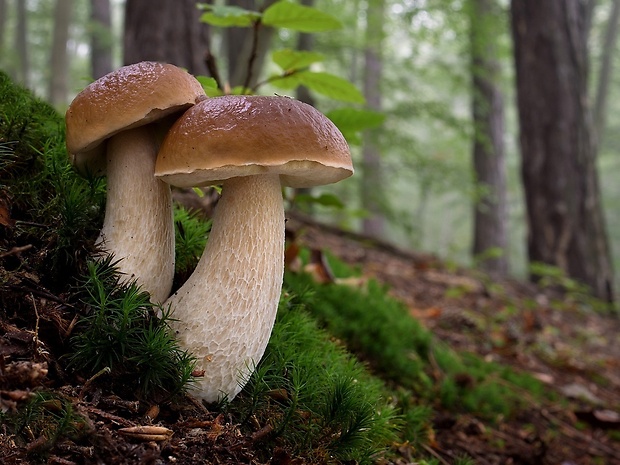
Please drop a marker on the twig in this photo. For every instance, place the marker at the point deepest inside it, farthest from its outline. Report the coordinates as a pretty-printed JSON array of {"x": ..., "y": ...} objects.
[
  {"x": 253, "y": 54},
  {"x": 103, "y": 371},
  {"x": 594, "y": 445},
  {"x": 16, "y": 250},
  {"x": 212, "y": 67},
  {"x": 36, "y": 325}
]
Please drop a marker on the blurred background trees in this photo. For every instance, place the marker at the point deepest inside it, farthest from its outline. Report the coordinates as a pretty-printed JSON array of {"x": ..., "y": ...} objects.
[{"x": 491, "y": 150}]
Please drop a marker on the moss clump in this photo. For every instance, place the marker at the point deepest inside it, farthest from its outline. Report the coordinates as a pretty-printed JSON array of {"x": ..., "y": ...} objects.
[
  {"x": 317, "y": 400},
  {"x": 123, "y": 334},
  {"x": 45, "y": 206},
  {"x": 379, "y": 329}
]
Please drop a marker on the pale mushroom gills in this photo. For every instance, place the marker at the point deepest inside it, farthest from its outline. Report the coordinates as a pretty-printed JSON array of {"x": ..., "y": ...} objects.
[{"x": 252, "y": 146}]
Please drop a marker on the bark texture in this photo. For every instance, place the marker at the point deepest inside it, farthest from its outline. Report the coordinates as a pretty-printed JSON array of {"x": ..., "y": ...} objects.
[
  {"x": 490, "y": 212},
  {"x": 59, "y": 62},
  {"x": 165, "y": 31},
  {"x": 372, "y": 177},
  {"x": 566, "y": 227}
]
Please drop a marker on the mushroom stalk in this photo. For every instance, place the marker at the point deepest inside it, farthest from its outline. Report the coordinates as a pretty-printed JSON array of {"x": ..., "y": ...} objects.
[
  {"x": 138, "y": 227},
  {"x": 226, "y": 310}
]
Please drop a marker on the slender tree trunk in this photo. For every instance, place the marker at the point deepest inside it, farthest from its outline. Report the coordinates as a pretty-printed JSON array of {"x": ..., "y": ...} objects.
[
  {"x": 605, "y": 73},
  {"x": 100, "y": 38},
  {"x": 305, "y": 42},
  {"x": 59, "y": 62},
  {"x": 3, "y": 14},
  {"x": 490, "y": 211},
  {"x": 566, "y": 226},
  {"x": 22, "y": 71},
  {"x": 166, "y": 31},
  {"x": 372, "y": 177}
]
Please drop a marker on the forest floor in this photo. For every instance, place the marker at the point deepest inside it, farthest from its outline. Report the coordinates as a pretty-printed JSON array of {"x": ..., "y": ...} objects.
[{"x": 574, "y": 350}]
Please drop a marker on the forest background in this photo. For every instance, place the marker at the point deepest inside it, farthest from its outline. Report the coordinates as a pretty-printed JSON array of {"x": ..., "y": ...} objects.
[{"x": 442, "y": 169}]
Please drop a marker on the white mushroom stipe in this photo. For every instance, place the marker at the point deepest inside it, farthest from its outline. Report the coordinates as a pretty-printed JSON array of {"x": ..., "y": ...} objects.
[
  {"x": 251, "y": 145},
  {"x": 101, "y": 121},
  {"x": 226, "y": 309},
  {"x": 138, "y": 225}
]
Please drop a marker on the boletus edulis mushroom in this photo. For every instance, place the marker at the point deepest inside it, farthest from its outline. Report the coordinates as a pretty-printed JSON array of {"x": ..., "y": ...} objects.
[
  {"x": 252, "y": 146},
  {"x": 112, "y": 128}
]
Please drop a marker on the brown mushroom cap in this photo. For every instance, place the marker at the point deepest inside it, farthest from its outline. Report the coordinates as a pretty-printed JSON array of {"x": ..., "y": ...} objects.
[
  {"x": 131, "y": 96},
  {"x": 237, "y": 135}
]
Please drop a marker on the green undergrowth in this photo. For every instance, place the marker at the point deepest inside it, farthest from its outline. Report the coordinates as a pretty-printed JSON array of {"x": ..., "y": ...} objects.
[
  {"x": 44, "y": 205},
  {"x": 318, "y": 400},
  {"x": 380, "y": 331},
  {"x": 126, "y": 337}
]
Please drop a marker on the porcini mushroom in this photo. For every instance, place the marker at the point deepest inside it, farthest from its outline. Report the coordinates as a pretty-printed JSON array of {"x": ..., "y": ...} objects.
[
  {"x": 252, "y": 145},
  {"x": 111, "y": 129}
]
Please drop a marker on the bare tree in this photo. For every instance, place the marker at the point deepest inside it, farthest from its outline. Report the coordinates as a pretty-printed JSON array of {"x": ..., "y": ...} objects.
[
  {"x": 490, "y": 211},
  {"x": 566, "y": 226},
  {"x": 59, "y": 61},
  {"x": 100, "y": 38}
]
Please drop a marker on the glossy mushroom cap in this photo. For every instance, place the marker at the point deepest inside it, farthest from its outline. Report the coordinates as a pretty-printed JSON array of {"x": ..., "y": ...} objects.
[
  {"x": 237, "y": 135},
  {"x": 129, "y": 97}
]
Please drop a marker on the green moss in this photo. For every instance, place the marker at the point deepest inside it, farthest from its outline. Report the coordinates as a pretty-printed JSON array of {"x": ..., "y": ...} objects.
[
  {"x": 51, "y": 209},
  {"x": 319, "y": 400},
  {"x": 380, "y": 331}
]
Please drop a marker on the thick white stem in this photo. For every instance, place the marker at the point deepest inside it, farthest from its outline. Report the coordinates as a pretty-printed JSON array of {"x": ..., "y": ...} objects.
[
  {"x": 138, "y": 227},
  {"x": 227, "y": 308}
]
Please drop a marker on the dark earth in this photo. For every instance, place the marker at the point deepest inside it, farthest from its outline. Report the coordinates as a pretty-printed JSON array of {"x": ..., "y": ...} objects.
[{"x": 544, "y": 331}]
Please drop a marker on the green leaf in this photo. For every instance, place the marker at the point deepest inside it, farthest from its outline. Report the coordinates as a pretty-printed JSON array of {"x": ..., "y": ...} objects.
[
  {"x": 207, "y": 82},
  {"x": 288, "y": 82},
  {"x": 351, "y": 121},
  {"x": 291, "y": 60},
  {"x": 325, "y": 199},
  {"x": 331, "y": 86},
  {"x": 228, "y": 16},
  {"x": 301, "y": 18}
]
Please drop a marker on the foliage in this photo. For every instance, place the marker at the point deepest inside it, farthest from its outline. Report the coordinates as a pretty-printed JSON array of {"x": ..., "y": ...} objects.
[
  {"x": 123, "y": 333},
  {"x": 295, "y": 65}
]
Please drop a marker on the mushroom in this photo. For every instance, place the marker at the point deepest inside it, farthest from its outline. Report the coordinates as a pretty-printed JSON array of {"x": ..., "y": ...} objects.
[
  {"x": 252, "y": 145},
  {"x": 112, "y": 128}
]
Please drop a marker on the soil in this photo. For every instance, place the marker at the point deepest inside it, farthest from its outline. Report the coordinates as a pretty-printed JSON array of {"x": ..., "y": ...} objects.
[
  {"x": 547, "y": 332},
  {"x": 574, "y": 350}
]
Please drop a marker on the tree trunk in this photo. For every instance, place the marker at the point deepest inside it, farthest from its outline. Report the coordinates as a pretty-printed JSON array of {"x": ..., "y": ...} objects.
[
  {"x": 161, "y": 30},
  {"x": 305, "y": 42},
  {"x": 59, "y": 62},
  {"x": 566, "y": 227},
  {"x": 3, "y": 14},
  {"x": 22, "y": 71},
  {"x": 490, "y": 211},
  {"x": 606, "y": 71},
  {"x": 372, "y": 180},
  {"x": 100, "y": 38}
]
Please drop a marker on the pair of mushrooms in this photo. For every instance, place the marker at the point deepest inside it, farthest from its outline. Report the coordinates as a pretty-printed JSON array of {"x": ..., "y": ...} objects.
[{"x": 156, "y": 128}]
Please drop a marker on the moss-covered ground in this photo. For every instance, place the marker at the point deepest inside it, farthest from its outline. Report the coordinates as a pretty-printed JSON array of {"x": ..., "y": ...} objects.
[{"x": 349, "y": 376}]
